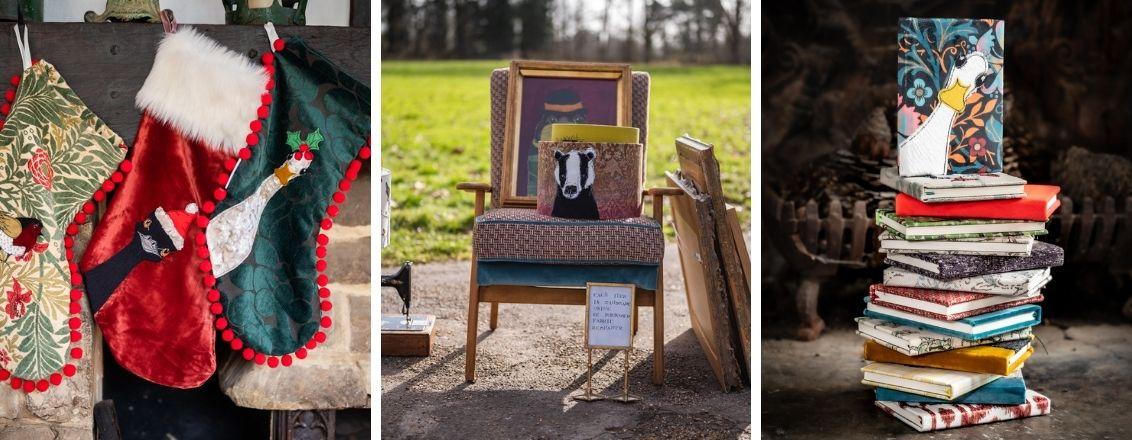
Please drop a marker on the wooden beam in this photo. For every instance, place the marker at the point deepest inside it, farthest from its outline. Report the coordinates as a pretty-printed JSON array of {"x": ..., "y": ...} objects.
[
  {"x": 107, "y": 63},
  {"x": 549, "y": 295}
]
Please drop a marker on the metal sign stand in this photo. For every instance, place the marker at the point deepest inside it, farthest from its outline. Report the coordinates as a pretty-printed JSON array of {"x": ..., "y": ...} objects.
[
  {"x": 625, "y": 397},
  {"x": 588, "y": 395}
]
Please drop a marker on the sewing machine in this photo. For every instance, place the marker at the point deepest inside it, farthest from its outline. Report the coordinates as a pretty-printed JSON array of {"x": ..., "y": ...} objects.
[{"x": 405, "y": 334}]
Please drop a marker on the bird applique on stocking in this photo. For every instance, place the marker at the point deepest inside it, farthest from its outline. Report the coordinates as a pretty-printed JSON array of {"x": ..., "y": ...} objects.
[{"x": 19, "y": 237}]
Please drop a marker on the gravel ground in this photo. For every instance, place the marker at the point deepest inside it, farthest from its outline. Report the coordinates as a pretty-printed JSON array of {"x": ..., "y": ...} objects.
[
  {"x": 812, "y": 390},
  {"x": 528, "y": 367}
]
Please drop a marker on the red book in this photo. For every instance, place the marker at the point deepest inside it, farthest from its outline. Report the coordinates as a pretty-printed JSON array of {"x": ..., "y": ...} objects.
[
  {"x": 1038, "y": 204},
  {"x": 944, "y": 305}
]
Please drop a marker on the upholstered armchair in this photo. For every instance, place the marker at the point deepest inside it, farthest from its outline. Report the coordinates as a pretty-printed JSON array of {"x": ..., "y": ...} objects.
[{"x": 520, "y": 256}]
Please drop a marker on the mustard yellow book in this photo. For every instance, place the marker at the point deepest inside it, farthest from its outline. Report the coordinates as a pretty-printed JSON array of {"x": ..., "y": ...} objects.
[
  {"x": 594, "y": 133},
  {"x": 1002, "y": 358}
]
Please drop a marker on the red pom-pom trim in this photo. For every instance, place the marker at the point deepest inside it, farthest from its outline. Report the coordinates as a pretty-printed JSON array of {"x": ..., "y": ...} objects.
[{"x": 278, "y": 45}]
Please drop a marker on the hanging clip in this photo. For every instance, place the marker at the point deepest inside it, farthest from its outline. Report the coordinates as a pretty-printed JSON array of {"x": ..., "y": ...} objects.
[
  {"x": 167, "y": 21},
  {"x": 272, "y": 36},
  {"x": 24, "y": 45}
]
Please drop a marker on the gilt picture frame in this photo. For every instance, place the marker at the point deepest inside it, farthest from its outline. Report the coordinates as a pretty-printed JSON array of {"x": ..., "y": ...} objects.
[{"x": 541, "y": 93}]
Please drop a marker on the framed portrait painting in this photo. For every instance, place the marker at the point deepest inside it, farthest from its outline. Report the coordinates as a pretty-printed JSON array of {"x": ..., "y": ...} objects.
[{"x": 542, "y": 93}]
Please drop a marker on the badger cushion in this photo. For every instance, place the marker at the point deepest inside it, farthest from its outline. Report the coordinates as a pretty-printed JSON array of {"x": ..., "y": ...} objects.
[
  {"x": 525, "y": 236},
  {"x": 590, "y": 180}
]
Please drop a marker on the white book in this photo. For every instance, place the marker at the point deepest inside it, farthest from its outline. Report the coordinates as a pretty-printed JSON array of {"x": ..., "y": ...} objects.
[
  {"x": 955, "y": 188},
  {"x": 1011, "y": 246},
  {"x": 923, "y": 381},
  {"x": 914, "y": 341},
  {"x": 1020, "y": 283}
]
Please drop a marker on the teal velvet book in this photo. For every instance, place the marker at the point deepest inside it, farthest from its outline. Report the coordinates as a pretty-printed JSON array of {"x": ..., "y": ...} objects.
[
  {"x": 1009, "y": 390},
  {"x": 970, "y": 328}
]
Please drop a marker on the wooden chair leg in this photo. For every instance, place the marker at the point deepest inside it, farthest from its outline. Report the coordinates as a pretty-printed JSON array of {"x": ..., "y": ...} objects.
[
  {"x": 473, "y": 321},
  {"x": 658, "y": 330},
  {"x": 636, "y": 319},
  {"x": 494, "y": 316}
]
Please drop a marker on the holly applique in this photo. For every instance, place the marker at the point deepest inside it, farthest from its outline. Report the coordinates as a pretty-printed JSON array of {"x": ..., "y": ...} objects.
[{"x": 304, "y": 148}]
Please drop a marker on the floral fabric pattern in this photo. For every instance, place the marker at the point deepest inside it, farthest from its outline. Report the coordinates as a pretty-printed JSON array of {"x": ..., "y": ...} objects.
[
  {"x": 54, "y": 153},
  {"x": 928, "y": 48}
]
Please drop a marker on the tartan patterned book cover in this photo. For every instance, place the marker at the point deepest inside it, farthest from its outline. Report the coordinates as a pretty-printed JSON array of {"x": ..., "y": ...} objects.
[
  {"x": 878, "y": 293},
  {"x": 1017, "y": 283},
  {"x": 915, "y": 341},
  {"x": 949, "y": 267},
  {"x": 931, "y": 417}
]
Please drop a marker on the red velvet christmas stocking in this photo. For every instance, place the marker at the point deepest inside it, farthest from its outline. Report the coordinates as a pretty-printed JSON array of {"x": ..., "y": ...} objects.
[{"x": 197, "y": 104}]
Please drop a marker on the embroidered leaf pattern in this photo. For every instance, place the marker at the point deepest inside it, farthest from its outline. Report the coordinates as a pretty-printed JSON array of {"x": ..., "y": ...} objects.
[
  {"x": 82, "y": 152},
  {"x": 39, "y": 344}
]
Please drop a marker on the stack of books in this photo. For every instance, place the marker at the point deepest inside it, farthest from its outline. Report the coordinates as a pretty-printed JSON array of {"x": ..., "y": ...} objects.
[{"x": 949, "y": 330}]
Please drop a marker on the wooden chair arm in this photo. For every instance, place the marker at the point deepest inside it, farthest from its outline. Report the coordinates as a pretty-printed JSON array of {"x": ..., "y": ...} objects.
[
  {"x": 474, "y": 187},
  {"x": 657, "y": 195},
  {"x": 479, "y": 189},
  {"x": 664, "y": 191}
]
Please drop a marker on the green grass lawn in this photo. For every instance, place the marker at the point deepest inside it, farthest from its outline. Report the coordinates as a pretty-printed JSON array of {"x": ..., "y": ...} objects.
[{"x": 435, "y": 132}]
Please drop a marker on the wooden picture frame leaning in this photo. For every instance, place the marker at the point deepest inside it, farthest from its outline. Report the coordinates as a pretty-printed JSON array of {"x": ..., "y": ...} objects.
[{"x": 620, "y": 73}]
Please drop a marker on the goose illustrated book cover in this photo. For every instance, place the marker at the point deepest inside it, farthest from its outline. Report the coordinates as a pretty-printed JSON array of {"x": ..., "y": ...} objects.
[{"x": 950, "y": 89}]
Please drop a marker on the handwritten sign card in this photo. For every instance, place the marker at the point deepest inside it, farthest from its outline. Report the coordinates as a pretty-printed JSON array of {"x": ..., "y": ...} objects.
[{"x": 609, "y": 315}]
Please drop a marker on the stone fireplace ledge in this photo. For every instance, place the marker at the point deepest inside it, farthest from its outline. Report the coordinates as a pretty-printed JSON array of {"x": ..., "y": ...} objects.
[{"x": 333, "y": 376}]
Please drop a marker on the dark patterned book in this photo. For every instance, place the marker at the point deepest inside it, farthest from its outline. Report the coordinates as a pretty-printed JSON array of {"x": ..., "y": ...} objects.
[
  {"x": 945, "y": 305},
  {"x": 1017, "y": 283},
  {"x": 949, "y": 267},
  {"x": 931, "y": 417}
]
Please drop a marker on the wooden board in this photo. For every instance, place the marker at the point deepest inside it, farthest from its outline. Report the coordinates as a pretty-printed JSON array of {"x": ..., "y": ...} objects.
[
  {"x": 708, "y": 304},
  {"x": 107, "y": 63},
  {"x": 698, "y": 165},
  {"x": 740, "y": 240},
  {"x": 417, "y": 341}
]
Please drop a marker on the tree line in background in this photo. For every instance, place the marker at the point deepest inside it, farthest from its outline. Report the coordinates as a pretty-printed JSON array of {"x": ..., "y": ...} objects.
[{"x": 694, "y": 31}]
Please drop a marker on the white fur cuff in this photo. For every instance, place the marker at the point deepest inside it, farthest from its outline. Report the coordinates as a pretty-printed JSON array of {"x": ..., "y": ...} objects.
[{"x": 203, "y": 90}]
